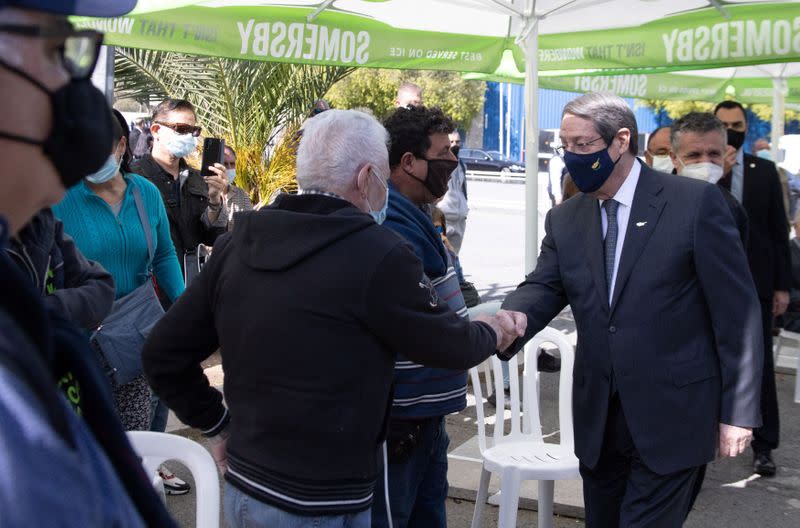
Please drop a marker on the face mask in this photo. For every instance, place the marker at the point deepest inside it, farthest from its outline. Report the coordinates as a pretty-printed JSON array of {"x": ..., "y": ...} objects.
[
  {"x": 106, "y": 172},
  {"x": 663, "y": 164},
  {"x": 705, "y": 171},
  {"x": 735, "y": 138},
  {"x": 455, "y": 149},
  {"x": 231, "y": 175},
  {"x": 439, "y": 171},
  {"x": 76, "y": 145},
  {"x": 379, "y": 216},
  {"x": 179, "y": 145},
  {"x": 590, "y": 171},
  {"x": 764, "y": 154}
]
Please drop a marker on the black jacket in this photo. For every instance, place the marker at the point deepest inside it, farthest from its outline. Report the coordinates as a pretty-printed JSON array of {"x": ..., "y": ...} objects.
[
  {"x": 310, "y": 302},
  {"x": 81, "y": 290},
  {"x": 185, "y": 214},
  {"x": 768, "y": 244},
  {"x": 683, "y": 331}
]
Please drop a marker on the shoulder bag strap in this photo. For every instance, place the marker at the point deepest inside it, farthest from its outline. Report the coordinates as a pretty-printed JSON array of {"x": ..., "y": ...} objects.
[{"x": 137, "y": 197}]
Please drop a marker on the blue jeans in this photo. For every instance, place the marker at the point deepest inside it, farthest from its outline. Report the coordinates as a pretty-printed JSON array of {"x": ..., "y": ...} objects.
[
  {"x": 244, "y": 511},
  {"x": 417, "y": 487},
  {"x": 159, "y": 413}
]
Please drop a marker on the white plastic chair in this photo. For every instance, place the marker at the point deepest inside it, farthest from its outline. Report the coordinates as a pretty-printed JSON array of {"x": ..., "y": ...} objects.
[
  {"x": 783, "y": 338},
  {"x": 156, "y": 448},
  {"x": 522, "y": 454}
]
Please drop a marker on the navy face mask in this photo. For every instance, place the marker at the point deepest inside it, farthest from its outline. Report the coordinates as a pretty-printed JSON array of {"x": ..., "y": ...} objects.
[{"x": 589, "y": 171}]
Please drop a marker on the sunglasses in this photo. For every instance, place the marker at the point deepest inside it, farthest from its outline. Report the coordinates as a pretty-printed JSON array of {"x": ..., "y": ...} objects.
[
  {"x": 182, "y": 128},
  {"x": 78, "y": 53}
]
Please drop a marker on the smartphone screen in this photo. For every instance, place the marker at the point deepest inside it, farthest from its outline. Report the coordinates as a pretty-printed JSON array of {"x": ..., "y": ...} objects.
[{"x": 213, "y": 152}]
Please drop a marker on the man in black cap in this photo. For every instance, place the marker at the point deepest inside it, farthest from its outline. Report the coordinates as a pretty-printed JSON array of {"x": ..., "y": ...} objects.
[{"x": 65, "y": 456}]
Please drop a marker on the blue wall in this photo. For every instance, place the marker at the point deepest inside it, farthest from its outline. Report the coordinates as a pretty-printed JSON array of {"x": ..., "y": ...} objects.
[{"x": 552, "y": 102}]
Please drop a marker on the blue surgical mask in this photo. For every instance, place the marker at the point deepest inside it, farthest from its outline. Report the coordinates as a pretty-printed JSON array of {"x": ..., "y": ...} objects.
[
  {"x": 179, "y": 145},
  {"x": 764, "y": 154},
  {"x": 590, "y": 171},
  {"x": 379, "y": 216},
  {"x": 231, "y": 175},
  {"x": 106, "y": 172}
]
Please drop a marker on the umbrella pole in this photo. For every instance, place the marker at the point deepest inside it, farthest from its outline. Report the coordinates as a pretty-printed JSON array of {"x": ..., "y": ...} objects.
[
  {"x": 779, "y": 90},
  {"x": 530, "y": 45}
]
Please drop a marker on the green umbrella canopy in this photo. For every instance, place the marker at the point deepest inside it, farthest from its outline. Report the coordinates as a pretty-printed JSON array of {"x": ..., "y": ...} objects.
[{"x": 468, "y": 35}]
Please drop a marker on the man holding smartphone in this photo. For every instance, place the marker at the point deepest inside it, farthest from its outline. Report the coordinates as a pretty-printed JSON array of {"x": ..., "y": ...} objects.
[{"x": 196, "y": 211}]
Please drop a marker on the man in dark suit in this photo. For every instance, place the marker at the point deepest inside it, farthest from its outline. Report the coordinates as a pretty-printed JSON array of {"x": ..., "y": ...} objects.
[
  {"x": 755, "y": 183},
  {"x": 668, "y": 359}
]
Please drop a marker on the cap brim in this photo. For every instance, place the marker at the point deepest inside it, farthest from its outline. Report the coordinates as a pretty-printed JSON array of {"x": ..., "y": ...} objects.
[{"x": 91, "y": 8}]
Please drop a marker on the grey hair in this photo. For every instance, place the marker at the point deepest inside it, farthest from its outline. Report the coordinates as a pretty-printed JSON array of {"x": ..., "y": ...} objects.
[
  {"x": 698, "y": 123},
  {"x": 609, "y": 113},
  {"x": 335, "y": 145}
]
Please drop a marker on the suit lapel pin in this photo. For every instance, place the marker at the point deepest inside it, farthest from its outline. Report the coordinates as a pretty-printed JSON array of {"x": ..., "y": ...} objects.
[
  {"x": 752, "y": 165},
  {"x": 640, "y": 224}
]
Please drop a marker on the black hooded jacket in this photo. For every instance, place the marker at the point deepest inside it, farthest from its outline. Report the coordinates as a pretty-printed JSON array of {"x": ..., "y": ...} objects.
[{"x": 310, "y": 302}]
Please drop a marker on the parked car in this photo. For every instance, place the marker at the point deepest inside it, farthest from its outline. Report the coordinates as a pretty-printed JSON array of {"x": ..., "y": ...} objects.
[{"x": 481, "y": 160}]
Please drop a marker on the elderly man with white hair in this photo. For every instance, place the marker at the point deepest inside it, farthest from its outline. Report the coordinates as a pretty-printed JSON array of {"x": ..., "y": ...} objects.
[{"x": 310, "y": 300}]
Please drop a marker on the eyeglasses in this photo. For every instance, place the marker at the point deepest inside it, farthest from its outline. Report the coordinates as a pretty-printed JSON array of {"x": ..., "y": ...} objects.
[
  {"x": 580, "y": 148},
  {"x": 78, "y": 53},
  {"x": 182, "y": 128}
]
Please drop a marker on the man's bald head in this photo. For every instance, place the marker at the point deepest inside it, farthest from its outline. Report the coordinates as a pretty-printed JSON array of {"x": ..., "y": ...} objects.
[{"x": 409, "y": 94}]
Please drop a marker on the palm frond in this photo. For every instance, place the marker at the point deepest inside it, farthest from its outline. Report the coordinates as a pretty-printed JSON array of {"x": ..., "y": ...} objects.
[{"x": 249, "y": 103}]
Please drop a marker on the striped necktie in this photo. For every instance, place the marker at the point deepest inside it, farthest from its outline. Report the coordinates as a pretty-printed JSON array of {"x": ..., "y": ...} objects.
[{"x": 610, "y": 248}]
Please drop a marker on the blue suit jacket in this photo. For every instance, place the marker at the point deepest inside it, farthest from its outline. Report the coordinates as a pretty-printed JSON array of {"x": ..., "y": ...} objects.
[{"x": 682, "y": 336}]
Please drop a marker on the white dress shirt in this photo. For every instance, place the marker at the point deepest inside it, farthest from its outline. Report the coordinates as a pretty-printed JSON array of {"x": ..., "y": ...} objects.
[{"x": 624, "y": 197}]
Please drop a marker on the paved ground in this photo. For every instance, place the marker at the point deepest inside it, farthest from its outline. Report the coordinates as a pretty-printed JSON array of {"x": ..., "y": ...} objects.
[{"x": 731, "y": 497}]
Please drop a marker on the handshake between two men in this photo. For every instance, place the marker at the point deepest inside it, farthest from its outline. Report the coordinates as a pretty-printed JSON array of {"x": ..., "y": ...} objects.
[{"x": 508, "y": 326}]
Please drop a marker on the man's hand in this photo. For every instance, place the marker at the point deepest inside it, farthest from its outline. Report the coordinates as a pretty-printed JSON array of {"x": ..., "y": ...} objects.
[
  {"x": 780, "y": 302},
  {"x": 507, "y": 326},
  {"x": 218, "y": 452},
  {"x": 729, "y": 160},
  {"x": 217, "y": 183},
  {"x": 733, "y": 440},
  {"x": 514, "y": 325}
]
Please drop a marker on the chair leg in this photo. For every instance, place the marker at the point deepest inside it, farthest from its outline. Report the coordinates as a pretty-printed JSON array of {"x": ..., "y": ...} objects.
[
  {"x": 546, "y": 488},
  {"x": 509, "y": 500},
  {"x": 480, "y": 498}
]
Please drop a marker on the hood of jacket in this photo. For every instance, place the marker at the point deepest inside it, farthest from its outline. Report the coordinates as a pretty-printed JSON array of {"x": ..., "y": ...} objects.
[{"x": 294, "y": 228}]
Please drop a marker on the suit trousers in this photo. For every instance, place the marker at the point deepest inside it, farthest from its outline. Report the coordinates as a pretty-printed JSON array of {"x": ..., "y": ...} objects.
[
  {"x": 621, "y": 491},
  {"x": 766, "y": 437}
]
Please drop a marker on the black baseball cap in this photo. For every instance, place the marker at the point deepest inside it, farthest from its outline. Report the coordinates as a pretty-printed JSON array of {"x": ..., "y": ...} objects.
[{"x": 92, "y": 8}]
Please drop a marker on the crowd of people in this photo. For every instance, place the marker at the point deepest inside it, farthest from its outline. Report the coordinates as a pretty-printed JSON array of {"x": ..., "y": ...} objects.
[{"x": 341, "y": 311}]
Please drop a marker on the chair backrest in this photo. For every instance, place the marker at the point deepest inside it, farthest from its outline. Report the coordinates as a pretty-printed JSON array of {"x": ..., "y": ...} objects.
[
  {"x": 567, "y": 352},
  {"x": 529, "y": 422},
  {"x": 156, "y": 448}
]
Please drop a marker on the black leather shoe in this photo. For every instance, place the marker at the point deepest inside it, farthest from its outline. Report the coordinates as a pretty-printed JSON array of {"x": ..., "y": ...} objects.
[
  {"x": 548, "y": 362},
  {"x": 763, "y": 464}
]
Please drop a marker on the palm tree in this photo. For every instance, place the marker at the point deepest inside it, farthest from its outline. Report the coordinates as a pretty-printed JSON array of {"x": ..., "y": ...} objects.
[{"x": 252, "y": 104}]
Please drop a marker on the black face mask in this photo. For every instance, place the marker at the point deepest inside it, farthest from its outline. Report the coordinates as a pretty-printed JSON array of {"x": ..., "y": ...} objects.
[
  {"x": 80, "y": 138},
  {"x": 439, "y": 171},
  {"x": 455, "y": 149},
  {"x": 735, "y": 138}
]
